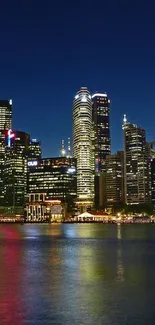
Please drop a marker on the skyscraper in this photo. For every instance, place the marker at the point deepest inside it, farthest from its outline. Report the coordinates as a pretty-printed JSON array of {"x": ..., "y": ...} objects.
[
  {"x": 5, "y": 124},
  {"x": 136, "y": 164},
  {"x": 152, "y": 161},
  {"x": 115, "y": 178},
  {"x": 101, "y": 126},
  {"x": 101, "y": 143},
  {"x": 34, "y": 150},
  {"x": 82, "y": 144},
  {"x": 152, "y": 149},
  {"x": 15, "y": 170},
  {"x": 54, "y": 176}
]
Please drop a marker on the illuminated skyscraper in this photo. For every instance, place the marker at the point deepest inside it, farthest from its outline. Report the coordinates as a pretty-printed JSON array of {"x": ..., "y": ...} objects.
[
  {"x": 51, "y": 180},
  {"x": 152, "y": 149},
  {"x": 82, "y": 144},
  {"x": 152, "y": 161},
  {"x": 54, "y": 176},
  {"x": 34, "y": 150},
  {"x": 115, "y": 178},
  {"x": 5, "y": 124},
  {"x": 101, "y": 126},
  {"x": 136, "y": 164},
  {"x": 151, "y": 153},
  {"x": 101, "y": 142},
  {"x": 15, "y": 170}
]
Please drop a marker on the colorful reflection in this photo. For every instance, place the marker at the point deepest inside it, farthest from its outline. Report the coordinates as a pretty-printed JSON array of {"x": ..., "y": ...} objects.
[
  {"x": 120, "y": 267},
  {"x": 76, "y": 274},
  {"x": 11, "y": 273},
  {"x": 11, "y": 231}
]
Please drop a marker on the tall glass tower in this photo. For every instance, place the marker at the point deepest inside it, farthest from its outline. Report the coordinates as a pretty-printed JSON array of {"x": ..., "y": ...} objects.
[
  {"x": 15, "y": 171},
  {"x": 136, "y": 164},
  {"x": 5, "y": 124},
  {"x": 82, "y": 144},
  {"x": 101, "y": 142},
  {"x": 101, "y": 126},
  {"x": 34, "y": 151}
]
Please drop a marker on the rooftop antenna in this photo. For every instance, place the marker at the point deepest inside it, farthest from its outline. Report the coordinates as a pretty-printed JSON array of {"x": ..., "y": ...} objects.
[
  {"x": 63, "y": 152},
  {"x": 124, "y": 119},
  {"x": 69, "y": 147}
]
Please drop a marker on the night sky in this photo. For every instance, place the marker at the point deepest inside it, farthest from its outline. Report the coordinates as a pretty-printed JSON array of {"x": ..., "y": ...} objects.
[{"x": 49, "y": 49}]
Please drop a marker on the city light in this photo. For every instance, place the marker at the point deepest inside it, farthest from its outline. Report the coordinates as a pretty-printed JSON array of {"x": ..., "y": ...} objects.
[
  {"x": 71, "y": 170},
  {"x": 32, "y": 163},
  {"x": 99, "y": 95},
  {"x": 92, "y": 171},
  {"x": 10, "y": 136}
]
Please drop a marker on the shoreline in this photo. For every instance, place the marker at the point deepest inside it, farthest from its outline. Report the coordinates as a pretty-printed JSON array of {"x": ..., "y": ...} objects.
[{"x": 77, "y": 222}]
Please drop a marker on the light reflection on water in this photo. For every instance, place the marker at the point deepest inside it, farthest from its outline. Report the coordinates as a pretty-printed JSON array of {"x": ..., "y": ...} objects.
[{"x": 77, "y": 274}]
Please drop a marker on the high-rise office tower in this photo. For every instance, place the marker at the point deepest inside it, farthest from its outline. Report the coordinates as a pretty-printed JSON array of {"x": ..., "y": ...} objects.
[
  {"x": 152, "y": 149},
  {"x": 101, "y": 143},
  {"x": 151, "y": 153},
  {"x": 34, "y": 150},
  {"x": 152, "y": 162},
  {"x": 82, "y": 144},
  {"x": 54, "y": 176},
  {"x": 15, "y": 170},
  {"x": 5, "y": 124},
  {"x": 115, "y": 178},
  {"x": 136, "y": 164},
  {"x": 101, "y": 126}
]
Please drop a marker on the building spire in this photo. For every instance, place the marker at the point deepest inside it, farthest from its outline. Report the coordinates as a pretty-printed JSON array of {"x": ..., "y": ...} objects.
[
  {"x": 124, "y": 119},
  {"x": 69, "y": 148},
  {"x": 63, "y": 152}
]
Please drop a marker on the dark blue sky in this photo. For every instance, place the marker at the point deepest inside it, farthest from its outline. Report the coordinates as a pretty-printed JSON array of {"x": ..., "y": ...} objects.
[{"x": 49, "y": 49}]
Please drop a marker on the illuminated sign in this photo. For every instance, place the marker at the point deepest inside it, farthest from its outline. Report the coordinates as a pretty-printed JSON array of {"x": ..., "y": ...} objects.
[
  {"x": 10, "y": 136},
  {"x": 32, "y": 163},
  {"x": 71, "y": 170}
]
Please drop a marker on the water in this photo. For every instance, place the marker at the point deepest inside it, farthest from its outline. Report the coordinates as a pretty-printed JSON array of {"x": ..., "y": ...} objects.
[{"x": 77, "y": 274}]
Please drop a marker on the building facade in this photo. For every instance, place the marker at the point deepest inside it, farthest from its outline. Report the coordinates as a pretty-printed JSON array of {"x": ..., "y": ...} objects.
[
  {"x": 15, "y": 170},
  {"x": 101, "y": 126},
  {"x": 5, "y": 124},
  {"x": 38, "y": 208},
  {"x": 136, "y": 165},
  {"x": 152, "y": 149},
  {"x": 35, "y": 151},
  {"x": 115, "y": 178},
  {"x": 101, "y": 144},
  {"x": 54, "y": 176},
  {"x": 153, "y": 182},
  {"x": 82, "y": 145}
]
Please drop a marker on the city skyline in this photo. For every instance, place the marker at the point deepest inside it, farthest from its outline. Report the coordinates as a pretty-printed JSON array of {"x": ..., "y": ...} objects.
[
  {"x": 57, "y": 151},
  {"x": 45, "y": 60},
  {"x": 77, "y": 162},
  {"x": 102, "y": 179}
]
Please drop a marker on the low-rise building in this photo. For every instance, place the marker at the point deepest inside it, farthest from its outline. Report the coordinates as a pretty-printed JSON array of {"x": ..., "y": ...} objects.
[{"x": 40, "y": 208}]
